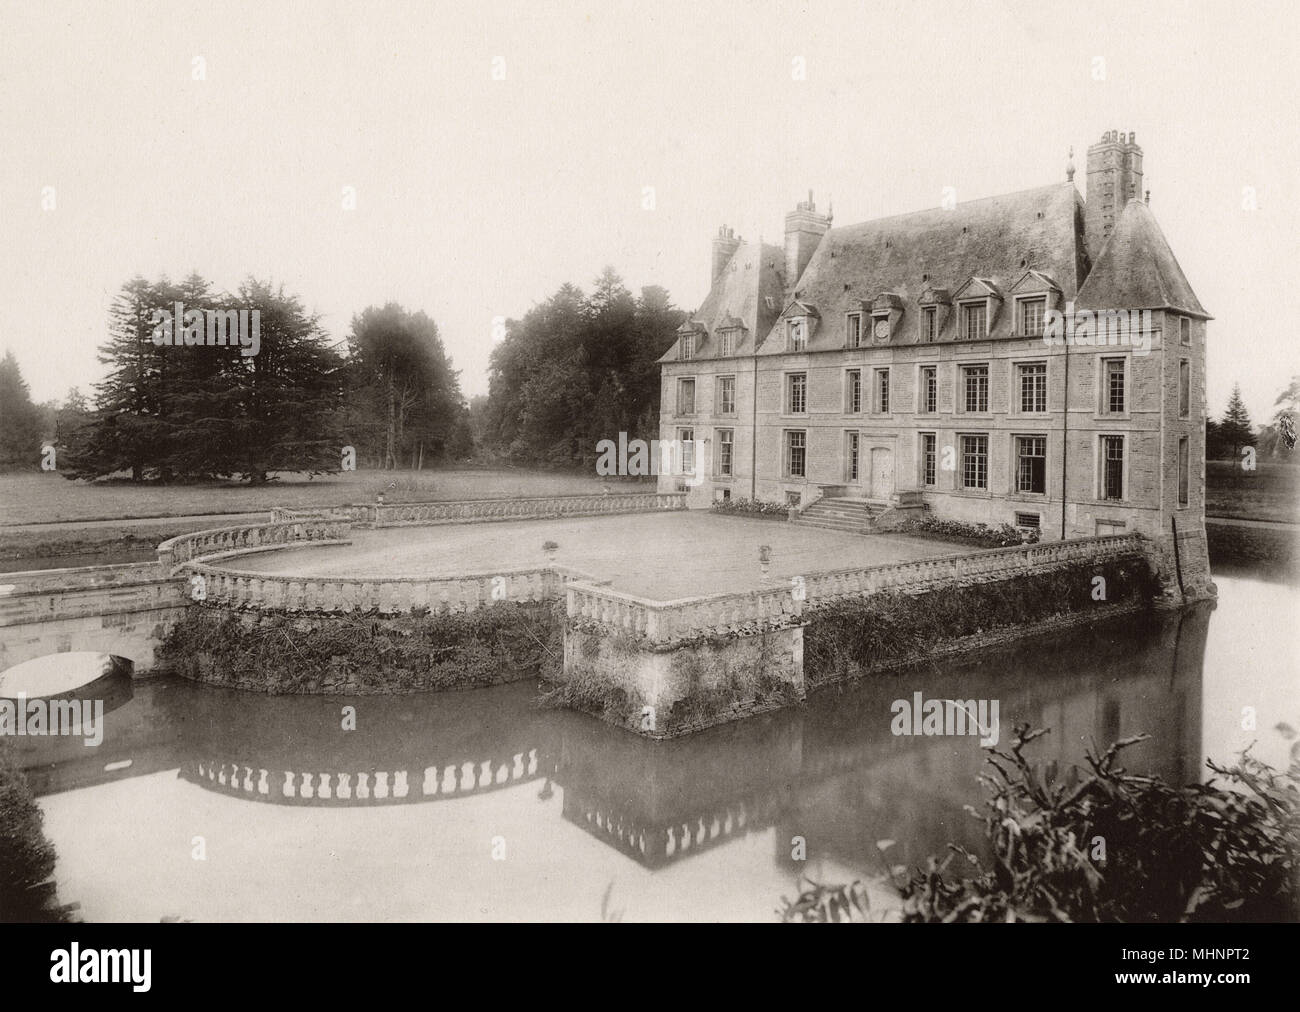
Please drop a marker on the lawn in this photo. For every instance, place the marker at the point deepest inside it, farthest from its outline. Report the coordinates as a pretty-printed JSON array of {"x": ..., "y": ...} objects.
[
  {"x": 1270, "y": 492},
  {"x": 29, "y": 498}
]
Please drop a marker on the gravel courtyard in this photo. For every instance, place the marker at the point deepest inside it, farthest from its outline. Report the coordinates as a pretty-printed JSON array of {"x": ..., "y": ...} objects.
[{"x": 659, "y": 555}]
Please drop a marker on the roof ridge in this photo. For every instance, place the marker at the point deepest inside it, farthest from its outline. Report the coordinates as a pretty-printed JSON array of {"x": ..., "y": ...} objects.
[{"x": 960, "y": 203}]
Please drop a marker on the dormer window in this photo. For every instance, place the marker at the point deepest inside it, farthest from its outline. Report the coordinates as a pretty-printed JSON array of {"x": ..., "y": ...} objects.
[
  {"x": 796, "y": 331},
  {"x": 930, "y": 325},
  {"x": 880, "y": 328},
  {"x": 686, "y": 348},
  {"x": 974, "y": 321},
  {"x": 1032, "y": 314},
  {"x": 853, "y": 328},
  {"x": 727, "y": 343}
]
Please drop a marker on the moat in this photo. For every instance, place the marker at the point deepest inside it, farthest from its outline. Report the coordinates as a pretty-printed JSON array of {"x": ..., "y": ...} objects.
[{"x": 477, "y": 805}]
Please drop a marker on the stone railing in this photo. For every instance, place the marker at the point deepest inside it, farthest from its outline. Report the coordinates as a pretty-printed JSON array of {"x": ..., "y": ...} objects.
[
  {"x": 227, "y": 541},
  {"x": 784, "y": 603},
  {"x": 469, "y": 510},
  {"x": 324, "y": 595}
]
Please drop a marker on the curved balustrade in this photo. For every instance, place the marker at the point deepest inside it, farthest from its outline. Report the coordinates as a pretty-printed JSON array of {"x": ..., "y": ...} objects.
[
  {"x": 226, "y": 541},
  {"x": 374, "y": 786},
  {"x": 387, "y": 595},
  {"x": 664, "y": 621}
]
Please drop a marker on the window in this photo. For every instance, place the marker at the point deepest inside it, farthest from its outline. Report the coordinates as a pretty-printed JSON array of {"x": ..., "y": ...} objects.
[
  {"x": 686, "y": 349},
  {"x": 929, "y": 458},
  {"x": 975, "y": 379},
  {"x": 882, "y": 392},
  {"x": 1184, "y": 388},
  {"x": 793, "y": 498},
  {"x": 930, "y": 325},
  {"x": 1033, "y": 386},
  {"x": 853, "y": 392},
  {"x": 726, "y": 395},
  {"x": 1184, "y": 330},
  {"x": 853, "y": 327},
  {"x": 796, "y": 393},
  {"x": 727, "y": 343},
  {"x": 796, "y": 453},
  {"x": 686, "y": 443},
  {"x": 975, "y": 462},
  {"x": 686, "y": 396},
  {"x": 797, "y": 333},
  {"x": 852, "y": 457},
  {"x": 1112, "y": 467},
  {"x": 1183, "y": 466},
  {"x": 1113, "y": 387},
  {"x": 1030, "y": 521},
  {"x": 726, "y": 444},
  {"x": 929, "y": 389},
  {"x": 974, "y": 321},
  {"x": 723, "y": 494},
  {"x": 1031, "y": 464},
  {"x": 1032, "y": 313}
]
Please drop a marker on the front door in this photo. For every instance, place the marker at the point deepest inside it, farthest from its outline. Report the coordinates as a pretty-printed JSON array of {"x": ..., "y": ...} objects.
[{"x": 882, "y": 473}]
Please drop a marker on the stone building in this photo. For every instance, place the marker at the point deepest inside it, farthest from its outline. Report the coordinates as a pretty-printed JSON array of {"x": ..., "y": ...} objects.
[{"x": 1034, "y": 359}]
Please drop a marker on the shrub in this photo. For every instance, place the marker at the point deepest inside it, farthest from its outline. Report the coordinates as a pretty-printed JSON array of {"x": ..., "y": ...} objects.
[
  {"x": 753, "y": 507},
  {"x": 26, "y": 856},
  {"x": 967, "y": 534},
  {"x": 589, "y": 692},
  {"x": 1204, "y": 852}
]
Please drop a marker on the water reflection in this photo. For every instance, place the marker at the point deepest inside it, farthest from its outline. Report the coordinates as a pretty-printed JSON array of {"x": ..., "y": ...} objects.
[{"x": 830, "y": 771}]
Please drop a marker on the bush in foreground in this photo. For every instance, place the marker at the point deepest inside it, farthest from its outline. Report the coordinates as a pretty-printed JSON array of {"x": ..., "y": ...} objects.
[{"x": 26, "y": 856}]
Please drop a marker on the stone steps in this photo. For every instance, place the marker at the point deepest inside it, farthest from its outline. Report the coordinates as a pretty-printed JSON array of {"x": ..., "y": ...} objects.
[{"x": 853, "y": 515}]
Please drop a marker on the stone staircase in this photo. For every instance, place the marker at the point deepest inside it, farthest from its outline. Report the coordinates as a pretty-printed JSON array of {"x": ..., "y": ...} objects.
[{"x": 857, "y": 516}]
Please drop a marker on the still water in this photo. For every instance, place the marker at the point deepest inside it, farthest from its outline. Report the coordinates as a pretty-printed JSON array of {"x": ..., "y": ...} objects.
[{"x": 208, "y": 804}]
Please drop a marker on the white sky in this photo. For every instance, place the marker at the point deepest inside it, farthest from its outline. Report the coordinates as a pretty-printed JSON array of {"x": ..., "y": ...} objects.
[{"x": 478, "y": 197}]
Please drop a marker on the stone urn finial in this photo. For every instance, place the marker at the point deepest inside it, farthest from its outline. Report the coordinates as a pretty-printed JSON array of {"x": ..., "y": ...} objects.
[
  {"x": 550, "y": 548},
  {"x": 379, "y": 498},
  {"x": 764, "y": 559}
]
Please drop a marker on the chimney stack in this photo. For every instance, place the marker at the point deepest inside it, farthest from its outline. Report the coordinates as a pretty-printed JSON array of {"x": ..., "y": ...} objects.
[
  {"x": 1114, "y": 178},
  {"x": 725, "y": 245},
  {"x": 804, "y": 229}
]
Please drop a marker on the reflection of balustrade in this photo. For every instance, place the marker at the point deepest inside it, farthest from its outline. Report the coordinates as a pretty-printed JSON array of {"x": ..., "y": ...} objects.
[
  {"x": 662, "y": 621},
  {"x": 433, "y": 783}
]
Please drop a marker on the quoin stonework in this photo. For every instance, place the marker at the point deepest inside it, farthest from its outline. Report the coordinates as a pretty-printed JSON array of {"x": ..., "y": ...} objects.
[{"x": 900, "y": 364}]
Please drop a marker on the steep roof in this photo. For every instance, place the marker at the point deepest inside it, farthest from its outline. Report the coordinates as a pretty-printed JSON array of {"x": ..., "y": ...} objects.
[
  {"x": 1136, "y": 269},
  {"x": 995, "y": 239},
  {"x": 749, "y": 291}
]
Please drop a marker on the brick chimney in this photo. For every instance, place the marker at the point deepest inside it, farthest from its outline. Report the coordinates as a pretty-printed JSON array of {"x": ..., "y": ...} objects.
[
  {"x": 725, "y": 245},
  {"x": 804, "y": 229},
  {"x": 1114, "y": 178}
]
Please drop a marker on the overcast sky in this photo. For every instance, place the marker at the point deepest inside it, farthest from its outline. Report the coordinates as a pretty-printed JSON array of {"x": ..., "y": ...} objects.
[{"x": 477, "y": 197}]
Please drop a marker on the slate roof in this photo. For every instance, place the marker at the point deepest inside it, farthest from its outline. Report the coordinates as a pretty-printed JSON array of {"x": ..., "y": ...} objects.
[
  {"x": 1136, "y": 269},
  {"x": 749, "y": 291},
  {"x": 995, "y": 239}
]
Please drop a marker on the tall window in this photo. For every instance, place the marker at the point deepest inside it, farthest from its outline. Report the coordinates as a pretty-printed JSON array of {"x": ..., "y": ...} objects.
[
  {"x": 796, "y": 453},
  {"x": 929, "y": 458},
  {"x": 975, "y": 462},
  {"x": 727, "y": 344},
  {"x": 929, "y": 389},
  {"x": 853, "y": 395},
  {"x": 797, "y": 332},
  {"x": 882, "y": 391},
  {"x": 686, "y": 441},
  {"x": 930, "y": 326},
  {"x": 796, "y": 399},
  {"x": 853, "y": 327},
  {"x": 686, "y": 349},
  {"x": 726, "y": 445},
  {"x": 1113, "y": 390},
  {"x": 1032, "y": 312},
  {"x": 975, "y": 379},
  {"x": 1031, "y": 464},
  {"x": 1184, "y": 330},
  {"x": 1033, "y": 386},
  {"x": 1183, "y": 469},
  {"x": 852, "y": 463},
  {"x": 1184, "y": 388},
  {"x": 726, "y": 395},
  {"x": 1112, "y": 467},
  {"x": 686, "y": 396},
  {"x": 974, "y": 319}
]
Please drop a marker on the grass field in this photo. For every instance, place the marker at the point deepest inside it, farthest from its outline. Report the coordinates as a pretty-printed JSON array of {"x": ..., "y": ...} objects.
[
  {"x": 30, "y": 498},
  {"x": 1270, "y": 492}
]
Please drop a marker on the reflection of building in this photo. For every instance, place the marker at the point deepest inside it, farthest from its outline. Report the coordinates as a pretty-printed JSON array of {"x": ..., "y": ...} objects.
[
  {"x": 906, "y": 356},
  {"x": 830, "y": 771}
]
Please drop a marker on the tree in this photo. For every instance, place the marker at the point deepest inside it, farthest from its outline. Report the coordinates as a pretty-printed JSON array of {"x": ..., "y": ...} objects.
[
  {"x": 1235, "y": 430},
  {"x": 20, "y": 419},
  {"x": 404, "y": 397}
]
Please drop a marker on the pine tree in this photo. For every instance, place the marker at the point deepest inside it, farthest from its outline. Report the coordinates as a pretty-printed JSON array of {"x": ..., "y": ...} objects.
[
  {"x": 1236, "y": 429},
  {"x": 20, "y": 423}
]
